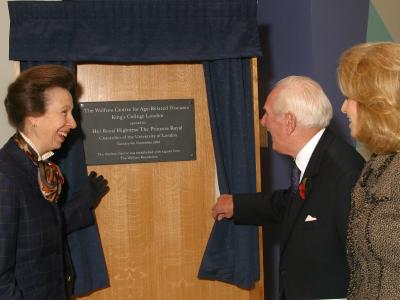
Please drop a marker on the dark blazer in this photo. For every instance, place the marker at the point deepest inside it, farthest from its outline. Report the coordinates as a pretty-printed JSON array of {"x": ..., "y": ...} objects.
[
  {"x": 313, "y": 261},
  {"x": 32, "y": 232}
]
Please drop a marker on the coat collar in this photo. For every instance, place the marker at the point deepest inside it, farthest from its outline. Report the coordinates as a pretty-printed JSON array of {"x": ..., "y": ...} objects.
[
  {"x": 319, "y": 151},
  {"x": 21, "y": 162}
]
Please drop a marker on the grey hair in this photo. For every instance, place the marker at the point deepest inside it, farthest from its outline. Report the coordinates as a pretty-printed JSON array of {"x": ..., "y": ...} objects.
[{"x": 306, "y": 99}]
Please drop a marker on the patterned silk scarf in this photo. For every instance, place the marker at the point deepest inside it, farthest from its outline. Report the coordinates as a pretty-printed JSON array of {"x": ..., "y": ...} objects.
[{"x": 50, "y": 178}]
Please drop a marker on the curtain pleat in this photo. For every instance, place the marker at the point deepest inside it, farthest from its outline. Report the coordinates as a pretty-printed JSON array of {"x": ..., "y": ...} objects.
[{"x": 231, "y": 254}]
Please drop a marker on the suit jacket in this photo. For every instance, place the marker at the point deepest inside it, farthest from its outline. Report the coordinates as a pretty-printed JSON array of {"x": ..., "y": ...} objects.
[
  {"x": 313, "y": 256},
  {"x": 32, "y": 232}
]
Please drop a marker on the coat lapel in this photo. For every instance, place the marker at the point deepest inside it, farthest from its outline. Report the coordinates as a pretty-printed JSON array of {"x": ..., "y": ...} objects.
[{"x": 312, "y": 170}]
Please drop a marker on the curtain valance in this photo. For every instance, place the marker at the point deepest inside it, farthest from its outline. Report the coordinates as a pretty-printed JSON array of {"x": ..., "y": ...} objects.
[{"x": 133, "y": 31}]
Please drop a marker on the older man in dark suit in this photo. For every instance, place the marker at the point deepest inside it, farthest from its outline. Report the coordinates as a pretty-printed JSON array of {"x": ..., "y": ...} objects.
[{"x": 314, "y": 210}]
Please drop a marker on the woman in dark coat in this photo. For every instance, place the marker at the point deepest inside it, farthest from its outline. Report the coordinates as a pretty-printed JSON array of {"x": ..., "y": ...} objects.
[{"x": 34, "y": 259}]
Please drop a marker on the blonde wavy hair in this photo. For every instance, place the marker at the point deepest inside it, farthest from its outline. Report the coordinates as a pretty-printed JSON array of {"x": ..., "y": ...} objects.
[{"x": 370, "y": 75}]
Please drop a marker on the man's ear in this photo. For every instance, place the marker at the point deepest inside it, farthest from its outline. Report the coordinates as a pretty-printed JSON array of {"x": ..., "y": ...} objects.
[{"x": 290, "y": 122}]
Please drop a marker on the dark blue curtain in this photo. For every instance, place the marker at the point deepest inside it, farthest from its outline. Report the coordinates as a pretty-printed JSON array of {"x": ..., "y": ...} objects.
[
  {"x": 133, "y": 31},
  {"x": 85, "y": 245},
  {"x": 221, "y": 32},
  {"x": 231, "y": 254}
]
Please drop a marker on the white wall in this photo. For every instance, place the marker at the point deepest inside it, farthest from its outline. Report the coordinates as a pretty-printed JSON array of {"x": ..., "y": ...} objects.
[{"x": 7, "y": 74}]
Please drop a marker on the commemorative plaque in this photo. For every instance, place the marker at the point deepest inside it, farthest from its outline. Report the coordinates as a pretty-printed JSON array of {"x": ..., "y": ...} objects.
[{"x": 121, "y": 132}]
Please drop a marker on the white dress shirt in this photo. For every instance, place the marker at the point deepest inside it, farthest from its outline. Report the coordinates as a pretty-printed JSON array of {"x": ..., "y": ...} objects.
[{"x": 304, "y": 155}]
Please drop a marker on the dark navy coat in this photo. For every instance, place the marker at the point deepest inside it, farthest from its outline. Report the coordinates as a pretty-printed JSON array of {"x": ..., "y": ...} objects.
[{"x": 32, "y": 232}]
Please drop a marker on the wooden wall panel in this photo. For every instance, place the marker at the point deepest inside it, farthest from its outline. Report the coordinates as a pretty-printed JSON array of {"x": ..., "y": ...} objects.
[{"x": 155, "y": 222}]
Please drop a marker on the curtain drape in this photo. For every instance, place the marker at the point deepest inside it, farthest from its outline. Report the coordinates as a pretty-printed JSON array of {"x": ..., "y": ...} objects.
[
  {"x": 133, "y": 31},
  {"x": 231, "y": 254}
]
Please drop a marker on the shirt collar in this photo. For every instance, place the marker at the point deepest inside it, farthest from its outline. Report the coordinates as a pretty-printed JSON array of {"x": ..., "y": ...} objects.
[
  {"x": 45, "y": 156},
  {"x": 304, "y": 155}
]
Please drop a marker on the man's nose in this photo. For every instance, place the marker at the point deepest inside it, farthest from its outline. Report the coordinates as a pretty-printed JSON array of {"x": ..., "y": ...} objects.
[{"x": 263, "y": 121}]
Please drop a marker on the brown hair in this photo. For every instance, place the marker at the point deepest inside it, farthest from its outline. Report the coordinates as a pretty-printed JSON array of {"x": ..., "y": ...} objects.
[
  {"x": 370, "y": 75},
  {"x": 26, "y": 95}
]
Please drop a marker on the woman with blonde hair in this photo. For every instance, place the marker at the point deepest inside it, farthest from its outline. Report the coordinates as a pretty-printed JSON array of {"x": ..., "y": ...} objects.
[{"x": 369, "y": 77}]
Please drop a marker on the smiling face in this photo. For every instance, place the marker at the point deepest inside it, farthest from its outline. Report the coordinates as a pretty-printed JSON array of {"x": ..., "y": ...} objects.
[
  {"x": 49, "y": 131},
  {"x": 349, "y": 108}
]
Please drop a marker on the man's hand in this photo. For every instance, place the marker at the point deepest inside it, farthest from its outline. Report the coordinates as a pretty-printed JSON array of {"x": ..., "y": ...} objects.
[{"x": 223, "y": 208}]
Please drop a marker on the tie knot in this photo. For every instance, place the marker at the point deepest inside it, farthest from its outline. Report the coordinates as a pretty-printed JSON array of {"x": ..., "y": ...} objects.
[{"x": 294, "y": 178}]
